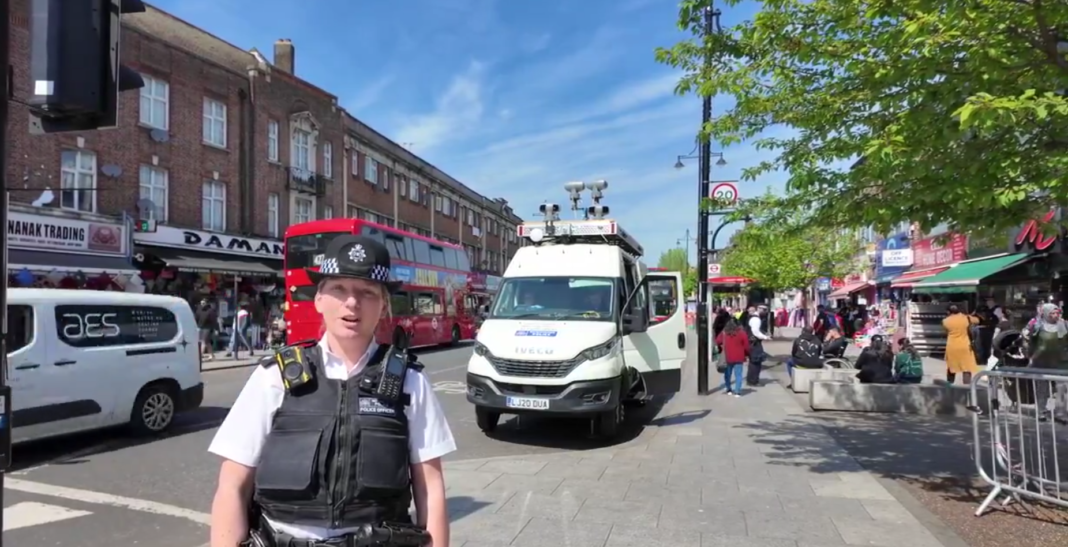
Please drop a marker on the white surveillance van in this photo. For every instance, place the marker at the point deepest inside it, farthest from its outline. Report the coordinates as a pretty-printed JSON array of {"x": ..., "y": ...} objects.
[
  {"x": 572, "y": 330},
  {"x": 84, "y": 360}
]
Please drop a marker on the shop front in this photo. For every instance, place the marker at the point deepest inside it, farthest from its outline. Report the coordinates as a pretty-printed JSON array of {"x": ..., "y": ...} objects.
[
  {"x": 854, "y": 291},
  {"x": 1039, "y": 279},
  {"x": 225, "y": 270},
  {"x": 55, "y": 249},
  {"x": 893, "y": 256}
]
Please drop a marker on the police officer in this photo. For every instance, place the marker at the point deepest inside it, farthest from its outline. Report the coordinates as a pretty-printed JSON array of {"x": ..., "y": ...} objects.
[{"x": 322, "y": 452}]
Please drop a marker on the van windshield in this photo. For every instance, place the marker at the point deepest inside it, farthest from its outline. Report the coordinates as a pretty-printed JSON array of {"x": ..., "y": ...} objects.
[{"x": 557, "y": 298}]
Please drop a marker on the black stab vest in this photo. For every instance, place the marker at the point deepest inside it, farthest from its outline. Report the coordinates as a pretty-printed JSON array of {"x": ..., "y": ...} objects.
[{"x": 336, "y": 457}]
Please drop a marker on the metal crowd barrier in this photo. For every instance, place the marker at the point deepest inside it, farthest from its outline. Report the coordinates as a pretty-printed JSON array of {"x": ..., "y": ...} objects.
[{"x": 1024, "y": 454}]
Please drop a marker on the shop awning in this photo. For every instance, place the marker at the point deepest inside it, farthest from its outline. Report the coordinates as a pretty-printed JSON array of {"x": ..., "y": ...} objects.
[
  {"x": 966, "y": 276},
  {"x": 47, "y": 262},
  {"x": 910, "y": 279},
  {"x": 201, "y": 262},
  {"x": 847, "y": 290}
]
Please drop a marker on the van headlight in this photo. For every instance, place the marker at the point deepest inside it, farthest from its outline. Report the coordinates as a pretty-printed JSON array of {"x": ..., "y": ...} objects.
[
  {"x": 600, "y": 351},
  {"x": 481, "y": 350}
]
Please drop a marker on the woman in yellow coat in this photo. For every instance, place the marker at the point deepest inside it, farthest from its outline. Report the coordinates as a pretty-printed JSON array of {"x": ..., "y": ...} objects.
[{"x": 959, "y": 355}]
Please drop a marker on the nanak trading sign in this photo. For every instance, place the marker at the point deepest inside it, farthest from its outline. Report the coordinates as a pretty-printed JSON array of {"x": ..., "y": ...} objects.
[{"x": 48, "y": 233}]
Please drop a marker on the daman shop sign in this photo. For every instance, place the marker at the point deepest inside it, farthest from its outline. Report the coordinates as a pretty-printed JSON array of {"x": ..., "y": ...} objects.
[
  {"x": 47, "y": 233},
  {"x": 167, "y": 236}
]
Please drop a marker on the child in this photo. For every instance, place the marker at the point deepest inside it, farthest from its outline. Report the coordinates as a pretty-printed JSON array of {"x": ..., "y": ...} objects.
[{"x": 908, "y": 365}]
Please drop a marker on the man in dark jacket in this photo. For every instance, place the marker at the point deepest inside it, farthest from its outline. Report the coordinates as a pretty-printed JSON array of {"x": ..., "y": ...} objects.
[{"x": 806, "y": 353}]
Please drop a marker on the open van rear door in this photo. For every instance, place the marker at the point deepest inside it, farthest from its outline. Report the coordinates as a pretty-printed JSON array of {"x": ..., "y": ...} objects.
[{"x": 660, "y": 350}]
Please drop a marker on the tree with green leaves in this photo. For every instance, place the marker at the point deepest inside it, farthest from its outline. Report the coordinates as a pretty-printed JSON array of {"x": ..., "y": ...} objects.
[
  {"x": 674, "y": 260},
  {"x": 958, "y": 109},
  {"x": 786, "y": 253}
]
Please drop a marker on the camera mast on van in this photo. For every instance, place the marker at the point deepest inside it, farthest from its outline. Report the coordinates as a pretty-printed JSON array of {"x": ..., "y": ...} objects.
[{"x": 571, "y": 331}]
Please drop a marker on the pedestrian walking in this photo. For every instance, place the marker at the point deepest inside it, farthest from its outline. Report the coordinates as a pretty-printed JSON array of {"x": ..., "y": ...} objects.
[
  {"x": 736, "y": 349},
  {"x": 333, "y": 438},
  {"x": 756, "y": 347}
]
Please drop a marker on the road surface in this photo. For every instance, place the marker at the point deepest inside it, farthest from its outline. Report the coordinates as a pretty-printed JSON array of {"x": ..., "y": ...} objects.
[{"x": 106, "y": 489}]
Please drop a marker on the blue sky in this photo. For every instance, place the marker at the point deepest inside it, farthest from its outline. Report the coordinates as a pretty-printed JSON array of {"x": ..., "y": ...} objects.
[{"x": 514, "y": 98}]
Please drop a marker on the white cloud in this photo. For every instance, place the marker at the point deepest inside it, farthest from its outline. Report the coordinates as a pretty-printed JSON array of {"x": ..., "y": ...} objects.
[
  {"x": 369, "y": 94},
  {"x": 458, "y": 111}
]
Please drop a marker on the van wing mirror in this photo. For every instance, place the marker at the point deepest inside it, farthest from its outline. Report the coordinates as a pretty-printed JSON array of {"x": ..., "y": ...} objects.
[{"x": 637, "y": 321}]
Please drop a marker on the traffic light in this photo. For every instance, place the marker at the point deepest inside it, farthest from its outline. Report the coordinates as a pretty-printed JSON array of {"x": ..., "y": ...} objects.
[{"x": 74, "y": 64}]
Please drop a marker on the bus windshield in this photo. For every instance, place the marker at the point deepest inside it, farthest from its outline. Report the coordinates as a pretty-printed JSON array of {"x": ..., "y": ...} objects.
[
  {"x": 301, "y": 251},
  {"x": 556, "y": 298}
]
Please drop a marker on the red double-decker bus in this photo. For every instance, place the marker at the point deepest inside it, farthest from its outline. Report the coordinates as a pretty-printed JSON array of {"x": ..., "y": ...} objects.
[{"x": 433, "y": 305}]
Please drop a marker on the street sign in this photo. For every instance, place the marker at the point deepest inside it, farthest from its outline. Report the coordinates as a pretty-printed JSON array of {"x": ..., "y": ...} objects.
[
  {"x": 725, "y": 193},
  {"x": 714, "y": 270}
]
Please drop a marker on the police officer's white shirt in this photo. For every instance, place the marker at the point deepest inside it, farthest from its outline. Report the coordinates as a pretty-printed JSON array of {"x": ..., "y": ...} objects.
[
  {"x": 754, "y": 325},
  {"x": 244, "y": 431}
]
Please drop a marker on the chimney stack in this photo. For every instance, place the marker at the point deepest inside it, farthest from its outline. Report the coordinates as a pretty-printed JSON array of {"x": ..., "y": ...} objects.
[{"x": 284, "y": 55}]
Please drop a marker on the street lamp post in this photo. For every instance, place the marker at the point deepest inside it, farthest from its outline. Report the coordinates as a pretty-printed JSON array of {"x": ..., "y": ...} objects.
[{"x": 711, "y": 25}]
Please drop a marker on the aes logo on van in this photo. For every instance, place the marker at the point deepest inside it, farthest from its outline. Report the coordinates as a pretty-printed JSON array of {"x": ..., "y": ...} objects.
[{"x": 534, "y": 351}]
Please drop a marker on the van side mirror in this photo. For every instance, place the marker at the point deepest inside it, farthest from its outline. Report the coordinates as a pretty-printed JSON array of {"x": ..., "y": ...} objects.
[{"x": 636, "y": 321}]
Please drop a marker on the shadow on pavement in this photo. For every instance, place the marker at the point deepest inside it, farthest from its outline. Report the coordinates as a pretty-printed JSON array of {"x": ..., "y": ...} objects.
[
  {"x": 77, "y": 448},
  {"x": 575, "y": 433},
  {"x": 462, "y": 506}
]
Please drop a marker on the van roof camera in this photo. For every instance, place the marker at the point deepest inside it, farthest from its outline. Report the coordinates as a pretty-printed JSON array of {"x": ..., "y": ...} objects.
[
  {"x": 597, "y": 211},
  {"x": 596, "y": 189},
  {"x": 574, "y": 191}
]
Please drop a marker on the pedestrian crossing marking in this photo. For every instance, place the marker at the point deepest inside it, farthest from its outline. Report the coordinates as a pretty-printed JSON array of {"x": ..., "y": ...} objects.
[{"x": 28, "y": 513}]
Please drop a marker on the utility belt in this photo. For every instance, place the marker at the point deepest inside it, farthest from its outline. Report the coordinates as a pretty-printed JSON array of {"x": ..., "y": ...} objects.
[{"x": 383, "y": 535}]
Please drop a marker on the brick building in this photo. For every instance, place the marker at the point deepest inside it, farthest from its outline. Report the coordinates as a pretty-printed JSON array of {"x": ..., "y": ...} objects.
[{"x": 225, "y": 148}]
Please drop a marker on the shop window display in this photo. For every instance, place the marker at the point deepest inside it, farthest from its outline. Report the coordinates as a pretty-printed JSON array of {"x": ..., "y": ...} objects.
[{"x": 75, "y": 280}]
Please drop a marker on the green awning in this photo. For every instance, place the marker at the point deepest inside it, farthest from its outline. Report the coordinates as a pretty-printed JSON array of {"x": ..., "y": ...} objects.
[{"x": 966, "y": 276}]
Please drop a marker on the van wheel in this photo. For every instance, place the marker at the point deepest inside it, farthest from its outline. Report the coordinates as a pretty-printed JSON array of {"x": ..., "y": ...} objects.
[
  {"x": 606, "y": 424},
  {"x": 153, "y": 411},
  {"x": 487, "y": 419},
  {"x": 455, "y": 335}
]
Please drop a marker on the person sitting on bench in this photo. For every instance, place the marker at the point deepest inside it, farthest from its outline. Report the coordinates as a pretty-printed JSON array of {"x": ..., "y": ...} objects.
[
  {"x": 835, "y": 346},
  {"x": 876, "y": 362},
  {"x": 908, "y": 365},
  {"x": 805, "y": 353}
]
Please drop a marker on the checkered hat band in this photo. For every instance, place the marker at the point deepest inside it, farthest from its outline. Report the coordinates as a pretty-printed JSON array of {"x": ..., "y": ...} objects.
[
  {"x": 329, "y": 267},
  {"x": 379, "y": 273}
]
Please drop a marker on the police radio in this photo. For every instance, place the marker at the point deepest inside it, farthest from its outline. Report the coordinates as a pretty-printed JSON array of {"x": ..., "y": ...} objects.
[
  {"x": 292, "y": 362},
  {"x": 392, "y": 381}
]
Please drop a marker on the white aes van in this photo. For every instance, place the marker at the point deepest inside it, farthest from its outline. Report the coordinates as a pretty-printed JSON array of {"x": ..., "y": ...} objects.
[
  {"x": 83, "y": 360},
  {"x": 574, "y": 329}
]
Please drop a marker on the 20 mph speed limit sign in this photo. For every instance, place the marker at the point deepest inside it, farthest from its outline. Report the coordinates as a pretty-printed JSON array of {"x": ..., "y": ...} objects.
[{"x": 724, "y": 192}]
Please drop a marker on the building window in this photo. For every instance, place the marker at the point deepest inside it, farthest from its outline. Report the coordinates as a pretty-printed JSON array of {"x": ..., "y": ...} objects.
[
  {"x": 272, "y": 140},
  {"x": 214, "y": 206},
  {"x": 370, "y": 170},
  {"x": 328, "y": 159},
  {"x": 301, "y": 154},
  {"x": 470, "y": 217},
  {"x": 302, "y": 210},
  {"x": 355, "y": 164},
  {"x": 155, "y": 96},
  {"x": 446, "y": 206},
  {"x": 154, "y": 188},
  {"x": 437, "y": 203},
  {"x": 273, "y": 204},
  {"x": 328, "y": 212},
  {"x": 78, "y": 180},
  {"x": 214, "y": 122},
  {"x": 386, "y": 175},
  {"x": 413, "y": 190}
]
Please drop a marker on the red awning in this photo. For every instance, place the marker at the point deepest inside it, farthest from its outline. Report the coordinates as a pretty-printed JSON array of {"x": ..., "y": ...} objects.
[
  {"x": 849, "y": 289},
  {"x": 908, "y": 279},
  {"x": 730, "y": 280}
]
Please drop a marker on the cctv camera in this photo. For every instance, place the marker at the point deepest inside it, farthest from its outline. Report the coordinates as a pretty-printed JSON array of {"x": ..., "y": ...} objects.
[
  {"x": 597, "y": 185},
  {"x": 549, "y": 208},
  {"x": 575, "y": 187}
]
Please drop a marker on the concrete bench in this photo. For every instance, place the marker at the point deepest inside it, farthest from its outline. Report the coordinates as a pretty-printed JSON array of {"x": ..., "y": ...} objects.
[
  {"x": 924, "y": 399},
  {"x": 803, "y": 377}
]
